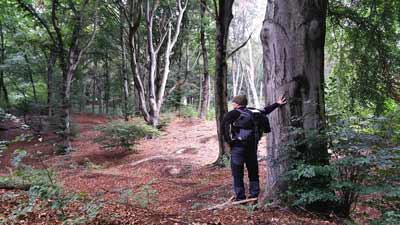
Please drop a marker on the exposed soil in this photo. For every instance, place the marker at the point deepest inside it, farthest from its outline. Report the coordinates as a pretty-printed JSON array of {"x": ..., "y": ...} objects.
[{"x": 176, "y": 165}]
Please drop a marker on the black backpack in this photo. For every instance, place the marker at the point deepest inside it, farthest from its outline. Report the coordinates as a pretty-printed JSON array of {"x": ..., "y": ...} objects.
[
  {"x": 251, "y": 123},
  {"x": 261, "y": 120}
]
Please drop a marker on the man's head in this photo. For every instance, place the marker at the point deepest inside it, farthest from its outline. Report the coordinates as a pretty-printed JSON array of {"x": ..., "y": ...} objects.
[{"x": 239, "y": 100}]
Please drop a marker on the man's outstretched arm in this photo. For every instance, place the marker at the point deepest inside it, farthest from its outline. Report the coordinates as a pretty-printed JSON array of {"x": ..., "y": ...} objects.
[{"x": 280, "y": 102}]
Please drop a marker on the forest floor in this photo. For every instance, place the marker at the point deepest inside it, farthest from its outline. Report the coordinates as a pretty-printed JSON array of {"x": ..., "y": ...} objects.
[{"x": 166, "y": 180}]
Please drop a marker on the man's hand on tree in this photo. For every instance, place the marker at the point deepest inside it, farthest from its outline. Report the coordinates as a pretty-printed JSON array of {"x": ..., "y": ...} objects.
[{"x": 281, "y": 101}]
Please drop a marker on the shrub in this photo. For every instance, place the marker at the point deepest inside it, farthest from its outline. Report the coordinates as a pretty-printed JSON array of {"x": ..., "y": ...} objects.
[
  {"x": 364, "y": 161},
  {"x": 45, "y": 193},
  {"x": 210, "y": 114},
  {"x": 144, "y": 197},
  {"x": 120, "y": 134},
  {"x": 188, "y": 112}
]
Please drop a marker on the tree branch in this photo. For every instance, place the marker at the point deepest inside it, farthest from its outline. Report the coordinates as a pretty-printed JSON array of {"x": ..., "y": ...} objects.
[
  {"x": 93, "y": 33},
  {"x": 208, "y": 9},
  {"x": 216, "y": 8},
  {"x": 239, "y": 47},
  {"x": 182, "y": 82},
  {"x": 29, "y": 8}
]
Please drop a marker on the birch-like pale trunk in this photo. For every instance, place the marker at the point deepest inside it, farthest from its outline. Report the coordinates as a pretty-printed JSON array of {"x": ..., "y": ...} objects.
[
  {"x": 252, "y": 77},
  {"x": 156, "y": 95},
  {"x": 124, "y": 69}
]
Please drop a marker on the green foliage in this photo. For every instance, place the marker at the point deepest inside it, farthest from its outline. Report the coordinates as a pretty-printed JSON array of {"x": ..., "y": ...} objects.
[
  {"x": 19, "y": 154},
  {"x": 210, "y": 114},
  {"x": 46, "y": 193},
  {"x": 364, "y": 161},
  {"x": 123, "y": 135},
  {"x": 189, "y": 111},
  {"x": 250, "y": 208},
  {"x": 144, "y": 197},
  {"x": 362, "y": 44}
]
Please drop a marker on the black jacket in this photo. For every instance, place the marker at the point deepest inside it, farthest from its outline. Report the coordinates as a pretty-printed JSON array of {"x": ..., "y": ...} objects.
[{"x": 233, "y": 115}]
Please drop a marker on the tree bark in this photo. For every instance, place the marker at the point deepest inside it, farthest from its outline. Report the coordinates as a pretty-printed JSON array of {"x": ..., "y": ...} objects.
[
  {"x": 293, "y": 35},
  {"x": 223, "y": 20},
  {"x": 107, "y": 83},
  {"x": 2, "y": 59},
  {"x": 124, "y": 70},
  {"x": 133, "y": 19},
  {"x": 94, "y": 85},
  {"x": 205, "y": 87},
  {"x": 50, "y": 65}
]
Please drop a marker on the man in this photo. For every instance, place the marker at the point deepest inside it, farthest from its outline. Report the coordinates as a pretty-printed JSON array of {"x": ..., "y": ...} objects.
[{"x": 243, "y": 152}]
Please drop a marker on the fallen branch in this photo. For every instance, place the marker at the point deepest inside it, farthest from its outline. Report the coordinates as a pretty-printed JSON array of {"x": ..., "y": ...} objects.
[
  {"x": 230, "y": 203},
  {"x": 149, "y": 159}
]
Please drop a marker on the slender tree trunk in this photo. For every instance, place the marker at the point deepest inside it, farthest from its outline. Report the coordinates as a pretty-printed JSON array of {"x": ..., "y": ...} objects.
[
  {"x": 66, "y": 106},
  {"x": 100, "y": 93},
  {"x": 293, "y": 35},
  {"x": 30, "y": 73},
  {"x": 51, "y": 61},
  {"x": 156, "y": 95},
  {"x": 252, "y": 77},
  {"x": 137, "y": 77},
  {"x": 261, "y": 93},
  {"x": 124, "y": 69},
  {"x": 2, "y": 59},
  {"x": 94, "y": 92},
  {"x": 223, "y": 20},
  {"x": 205, "y": 97},
  {"x": 152, "y": 56},
  {"x": 107, "y": 83}
]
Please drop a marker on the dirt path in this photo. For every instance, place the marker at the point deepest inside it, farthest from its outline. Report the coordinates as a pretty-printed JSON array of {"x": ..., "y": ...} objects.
[{"x": 173, "y": 167}]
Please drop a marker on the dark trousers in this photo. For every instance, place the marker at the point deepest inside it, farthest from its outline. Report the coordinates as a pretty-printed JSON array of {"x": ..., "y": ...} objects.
[{"x": 245, "y": 154}]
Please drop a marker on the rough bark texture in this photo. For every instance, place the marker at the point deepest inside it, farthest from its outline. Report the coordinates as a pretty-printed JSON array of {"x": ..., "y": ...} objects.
[
  {"x": 293, "y": 35},
  {"x": 3, "y": 88},
  {"x": 205, "y": 85},
  {"x": 223, "y": 20}
]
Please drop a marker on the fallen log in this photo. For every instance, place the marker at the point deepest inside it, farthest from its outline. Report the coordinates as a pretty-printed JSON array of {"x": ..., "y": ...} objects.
[{"x": 14, "y": 185}]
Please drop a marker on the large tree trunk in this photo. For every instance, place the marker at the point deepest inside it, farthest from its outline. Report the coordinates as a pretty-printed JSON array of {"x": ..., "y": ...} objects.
[
  {"x": 205, "y": 87},
  {"x": 2, "y": 59},
  {"x": 223, "y": 20},
  {"x": 293, "y": 35}
]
